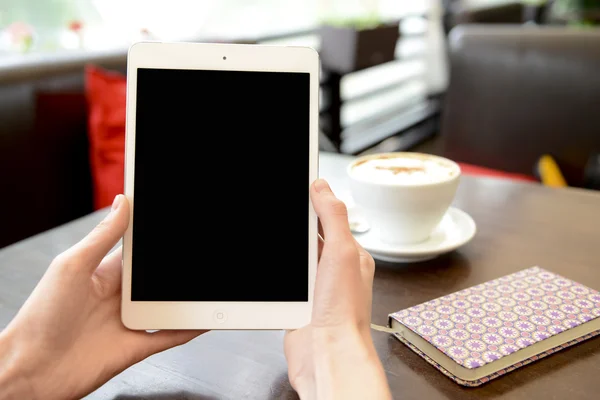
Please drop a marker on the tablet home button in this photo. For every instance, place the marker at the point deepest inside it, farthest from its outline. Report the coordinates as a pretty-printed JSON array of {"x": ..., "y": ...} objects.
[{"x": 220, "y": 316}]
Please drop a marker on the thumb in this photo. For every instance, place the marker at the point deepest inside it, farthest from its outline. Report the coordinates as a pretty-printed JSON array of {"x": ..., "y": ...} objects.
[
  {"x": 332, "y": 212},
  {"x": 90, "y": 251}
]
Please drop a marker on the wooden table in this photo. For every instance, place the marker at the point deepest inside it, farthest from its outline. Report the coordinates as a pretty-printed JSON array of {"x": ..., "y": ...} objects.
[{"x": 519, "y": 225}]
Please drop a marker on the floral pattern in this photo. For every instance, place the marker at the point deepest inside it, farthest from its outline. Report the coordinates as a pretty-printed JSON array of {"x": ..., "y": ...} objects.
[{"x": 484, "y": 323}]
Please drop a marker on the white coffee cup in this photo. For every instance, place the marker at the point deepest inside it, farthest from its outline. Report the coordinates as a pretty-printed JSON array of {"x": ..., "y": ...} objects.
[{"x": 403, "y": 195}]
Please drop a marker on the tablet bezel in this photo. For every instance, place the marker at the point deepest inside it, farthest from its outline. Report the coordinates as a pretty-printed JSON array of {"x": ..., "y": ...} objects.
[{"x": 151, "y": 315}]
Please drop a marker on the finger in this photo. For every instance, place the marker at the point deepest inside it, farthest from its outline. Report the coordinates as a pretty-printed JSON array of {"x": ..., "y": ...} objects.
[
  {"x": 88, "y": 252},
  {"x": 162, "y": 340},
  {"x": 108, "y": 274},
  {"x": 331, "y": 211}
]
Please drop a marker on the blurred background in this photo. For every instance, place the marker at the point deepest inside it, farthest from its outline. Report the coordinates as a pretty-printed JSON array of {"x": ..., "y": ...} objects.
[{"x": 499, "y": 86}]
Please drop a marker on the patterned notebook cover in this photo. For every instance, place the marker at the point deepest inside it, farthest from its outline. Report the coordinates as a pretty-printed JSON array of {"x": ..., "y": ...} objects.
[{"x": 484, "y": 323}]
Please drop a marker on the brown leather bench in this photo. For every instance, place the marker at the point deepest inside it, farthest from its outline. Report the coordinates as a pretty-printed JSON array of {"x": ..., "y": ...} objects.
[{"x": 517, "y": 92}]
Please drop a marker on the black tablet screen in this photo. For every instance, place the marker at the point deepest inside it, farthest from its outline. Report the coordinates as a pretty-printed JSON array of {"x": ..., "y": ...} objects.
[{"x": 220, "y": 186}]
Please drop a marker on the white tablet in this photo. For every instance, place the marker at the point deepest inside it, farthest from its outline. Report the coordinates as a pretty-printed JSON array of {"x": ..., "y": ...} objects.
[{"x": 221, "y": 147}]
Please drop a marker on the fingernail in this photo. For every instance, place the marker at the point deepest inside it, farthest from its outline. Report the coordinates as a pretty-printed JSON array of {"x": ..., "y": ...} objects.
[
  {"x": 117, "y": 202},
  {"x": 321, "y": 185}
]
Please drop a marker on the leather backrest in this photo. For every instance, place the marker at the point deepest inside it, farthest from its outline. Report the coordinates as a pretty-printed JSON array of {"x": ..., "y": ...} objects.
[{"x": 517, "y": 92}]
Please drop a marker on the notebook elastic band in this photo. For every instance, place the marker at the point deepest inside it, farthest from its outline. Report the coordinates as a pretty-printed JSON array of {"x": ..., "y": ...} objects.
[{"x": 383, "y": 329}]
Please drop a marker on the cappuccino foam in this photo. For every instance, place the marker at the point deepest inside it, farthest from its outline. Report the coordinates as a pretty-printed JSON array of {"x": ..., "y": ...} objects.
[{"x": 404, "y": 170}]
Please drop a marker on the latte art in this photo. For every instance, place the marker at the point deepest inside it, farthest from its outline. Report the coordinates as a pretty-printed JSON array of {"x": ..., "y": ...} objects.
[{"x": 404, "y": 169}]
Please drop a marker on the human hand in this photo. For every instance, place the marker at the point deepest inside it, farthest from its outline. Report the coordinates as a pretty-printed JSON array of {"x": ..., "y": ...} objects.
[
  {"x": 68, "y": 338},
  {"x": 334, "y": 356}
]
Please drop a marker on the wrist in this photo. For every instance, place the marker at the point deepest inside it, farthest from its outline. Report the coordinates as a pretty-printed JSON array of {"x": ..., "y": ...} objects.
[
  {"x": 343, "y": 343},
  {"x": 346, "y": 366},
  {"x": 14, "y": 381}
]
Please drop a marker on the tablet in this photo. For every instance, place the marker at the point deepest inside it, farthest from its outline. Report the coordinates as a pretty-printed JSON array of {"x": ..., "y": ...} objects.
[{"x": 221, "y": 147}]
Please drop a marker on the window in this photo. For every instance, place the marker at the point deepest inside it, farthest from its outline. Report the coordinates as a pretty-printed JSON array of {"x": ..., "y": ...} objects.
[{"x": 59, "y": 25}]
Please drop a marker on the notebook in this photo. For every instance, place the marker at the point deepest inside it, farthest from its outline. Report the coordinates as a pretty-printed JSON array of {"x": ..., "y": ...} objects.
[{"x": 483, "y": 332}]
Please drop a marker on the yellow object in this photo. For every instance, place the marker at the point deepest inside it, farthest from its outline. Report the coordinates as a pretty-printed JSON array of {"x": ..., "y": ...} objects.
[{"x": 550, "y": 173}]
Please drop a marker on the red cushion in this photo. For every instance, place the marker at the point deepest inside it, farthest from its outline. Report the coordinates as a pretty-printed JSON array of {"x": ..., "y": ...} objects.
[
  {"x": 469, "y": 169},
  {"x": 106, "y": 96}
]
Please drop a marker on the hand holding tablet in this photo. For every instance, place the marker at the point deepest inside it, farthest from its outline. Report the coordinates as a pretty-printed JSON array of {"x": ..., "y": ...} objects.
[{"x": 209, "y": 125}]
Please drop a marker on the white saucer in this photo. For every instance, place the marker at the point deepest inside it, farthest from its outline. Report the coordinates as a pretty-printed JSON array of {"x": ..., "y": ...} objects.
[{"x": 456, "y": 229}]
